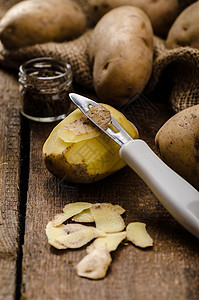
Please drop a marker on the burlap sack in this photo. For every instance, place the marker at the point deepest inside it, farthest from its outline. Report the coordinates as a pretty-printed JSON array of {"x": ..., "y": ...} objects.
[{"x": 179, "y": 66}]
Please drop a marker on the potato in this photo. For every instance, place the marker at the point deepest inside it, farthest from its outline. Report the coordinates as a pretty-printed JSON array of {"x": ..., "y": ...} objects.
[
  {"x": 178, "y": 144},
  {"x": 162, "y": 13},
  {"x": 85, "y": 160},
  {"x": 185, "y": 30},
  {"x": 36, "y": 21},
  {"x": 121, "y": 50}
]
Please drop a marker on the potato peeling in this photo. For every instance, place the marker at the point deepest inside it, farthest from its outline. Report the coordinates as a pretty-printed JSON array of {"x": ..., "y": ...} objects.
[
  {"x": 100, "y": 115},
  {"x": 111, "y": 241},
  {"x": 71, "y": 235},
  {"x": 53, "y": 233},
  {"x": 107, "y": 218},
  {"x": 79, "y": 237},
  {"x": 137, "y": 234},
  {"x": 95, "y": 264},
  {"x": 86, "y": 216},
  {"x": 69, "y": 211},
  {"x": 107, "y": 234}
]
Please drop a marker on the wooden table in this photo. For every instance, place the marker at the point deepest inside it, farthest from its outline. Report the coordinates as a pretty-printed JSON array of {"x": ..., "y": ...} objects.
[{"x": 31, "y": 196}]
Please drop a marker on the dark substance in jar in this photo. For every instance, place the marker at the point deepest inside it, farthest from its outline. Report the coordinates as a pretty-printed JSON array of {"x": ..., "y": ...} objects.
[{"x": 43, "y": 101}]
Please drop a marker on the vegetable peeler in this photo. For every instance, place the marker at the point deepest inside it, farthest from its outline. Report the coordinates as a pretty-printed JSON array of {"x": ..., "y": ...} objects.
[{"x": 179, "y": 197}]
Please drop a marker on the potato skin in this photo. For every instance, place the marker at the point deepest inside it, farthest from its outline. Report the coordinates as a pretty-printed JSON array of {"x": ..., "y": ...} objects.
[
  {"x": 185, "y": 29},
  {"x": 162, "y": 13},
  {"x": 178, "y": 144},
  {"x": 88, "y": 160},
  {"x": 122, "y": 54},
  {"x": 35, "y": 21}
]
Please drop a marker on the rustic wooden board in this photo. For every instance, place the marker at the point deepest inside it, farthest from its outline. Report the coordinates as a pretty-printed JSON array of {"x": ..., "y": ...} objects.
[
  {"x": 170, "y": 270},
  {"x": 9, "y": 183}
]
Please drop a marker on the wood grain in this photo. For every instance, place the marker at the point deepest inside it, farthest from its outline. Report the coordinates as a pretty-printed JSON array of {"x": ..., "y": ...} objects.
[
  {"x": 170, "y": 270},
  {"x": 9, "y": 183}
]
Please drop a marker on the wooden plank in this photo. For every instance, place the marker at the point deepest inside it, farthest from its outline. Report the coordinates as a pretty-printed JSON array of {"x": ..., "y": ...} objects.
[
  {"x": 9, "y": 183},
  {"x": 170, "y": 270}
]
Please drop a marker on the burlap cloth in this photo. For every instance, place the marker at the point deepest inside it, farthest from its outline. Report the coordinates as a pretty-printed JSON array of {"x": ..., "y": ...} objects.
[{"x": 180, "y": 66}]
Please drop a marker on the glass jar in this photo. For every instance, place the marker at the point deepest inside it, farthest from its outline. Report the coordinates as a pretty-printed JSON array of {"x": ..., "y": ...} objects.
[{"x": 45, "y": 84}]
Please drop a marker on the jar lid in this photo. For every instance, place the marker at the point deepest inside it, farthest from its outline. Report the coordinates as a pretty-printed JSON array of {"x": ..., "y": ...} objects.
[{"x": 45, "y": 71}]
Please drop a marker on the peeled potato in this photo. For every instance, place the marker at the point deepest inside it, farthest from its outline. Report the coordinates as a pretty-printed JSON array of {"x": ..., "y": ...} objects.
[{"x": 89, "y": 159}]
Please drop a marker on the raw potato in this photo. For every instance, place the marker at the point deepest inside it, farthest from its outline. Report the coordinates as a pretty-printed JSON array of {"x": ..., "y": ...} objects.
[
  {"x": 35, "y": 21},
  {"x": 137, "y": 234},
  {"x": 185, "y": 29},
  {"x": 122, "y": 54},
  {"x": 107, "y": 217},
  {"x": 87, "y": 160},
  {"x": 178, "y": 144},
  {"x": 111, "y": 241},
  {"x": 70, "y": 210},
  {"x": 162, "y": 13},
  {"x": 95, "y": 264}
]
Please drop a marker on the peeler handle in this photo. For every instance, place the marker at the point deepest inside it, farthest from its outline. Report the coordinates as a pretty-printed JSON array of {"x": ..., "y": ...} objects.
[{"x": 179, "y": 197}]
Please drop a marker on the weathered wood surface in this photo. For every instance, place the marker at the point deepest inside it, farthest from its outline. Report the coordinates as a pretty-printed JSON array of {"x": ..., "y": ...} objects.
[
  {"x": 30, "y": 196},
  {"x": 170, "y": 270},
  {"x": 9, "y": 183},
  {"x": 9, "y": 178}
]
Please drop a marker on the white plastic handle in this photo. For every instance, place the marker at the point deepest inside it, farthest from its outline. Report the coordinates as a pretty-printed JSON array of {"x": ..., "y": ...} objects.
[{"x": 179, "y": 197}]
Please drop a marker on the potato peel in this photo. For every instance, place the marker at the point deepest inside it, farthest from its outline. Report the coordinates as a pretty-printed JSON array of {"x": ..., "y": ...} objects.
[
  {"x": 108, "y": 234},
  {"x": 86, "y": 216},
  {"x": 53, "y": 233},
  {"x": 111, "y": 241},
  {"x": 137, "y": 234},
  {"x": 69, "y": 211},
  {"x": 107, "y": 218},
  {"x": 95, "y": 264},
  {"x": 71, "y": 235},
  {"x": 100, "y": 115},
  {"x": 119, "y": 209}
]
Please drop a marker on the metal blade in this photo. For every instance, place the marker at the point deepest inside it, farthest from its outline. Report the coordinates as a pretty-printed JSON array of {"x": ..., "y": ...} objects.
[{"x": 114, "y": 131}]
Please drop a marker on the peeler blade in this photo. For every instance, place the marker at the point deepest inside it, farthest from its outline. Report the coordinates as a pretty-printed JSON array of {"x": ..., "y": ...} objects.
[{"x": 115, "y": 131}]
